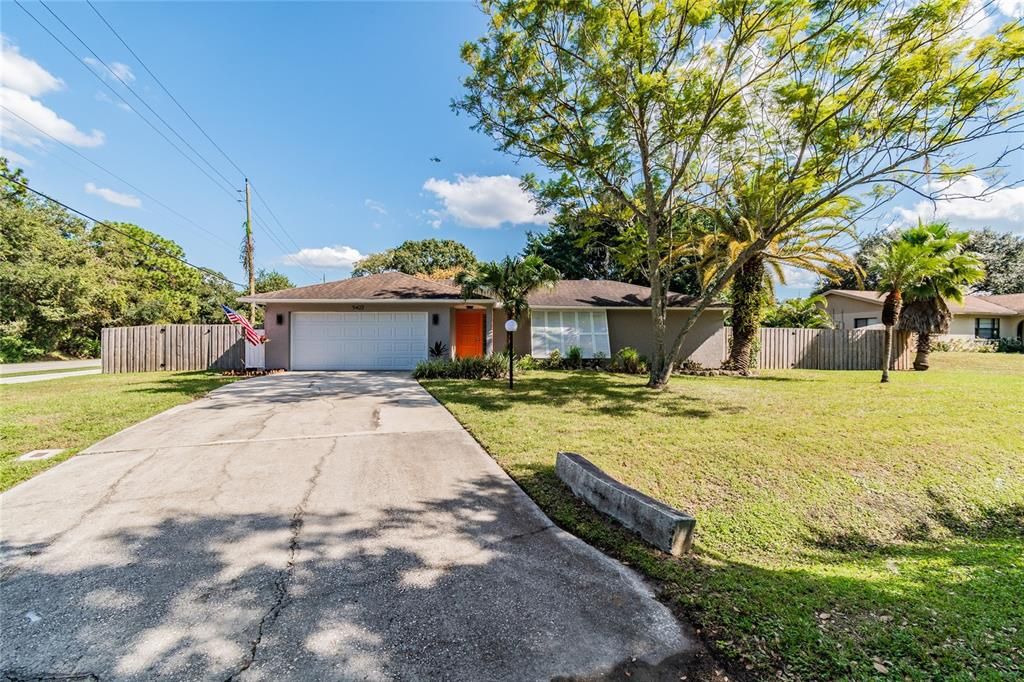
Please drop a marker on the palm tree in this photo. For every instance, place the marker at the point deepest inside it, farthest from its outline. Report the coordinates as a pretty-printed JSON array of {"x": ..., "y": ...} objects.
[
  {"x": 926, "y": 312},
  {"x": 755, "y": 208},
  {"x": 510, "y": 282},
  {"x": 899, "y": 265},
  {"x": 807, "y": 313}
]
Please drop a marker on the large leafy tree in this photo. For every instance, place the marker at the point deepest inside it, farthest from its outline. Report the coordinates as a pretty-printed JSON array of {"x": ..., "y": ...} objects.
[
  {"x": 925, "y": 311},
  {"x": 424, "y": 257},
  {"x": 55, "y": 292},
  {"x": 594, "y": 244},
  {"x": 650, "y": 105},
  {"x": 1003, "y": 256},
  {"x": 899, "y": 266},
  {"x": 62, "y": 280},
  {"x": 154, "y": 286},
  {"x": 271, "y": 280},
  {"x": 510, "y": 282}
]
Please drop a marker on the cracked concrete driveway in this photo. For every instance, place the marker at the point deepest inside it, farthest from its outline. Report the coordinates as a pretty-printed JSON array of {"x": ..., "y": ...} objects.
[{"x": 307, "y": 526}]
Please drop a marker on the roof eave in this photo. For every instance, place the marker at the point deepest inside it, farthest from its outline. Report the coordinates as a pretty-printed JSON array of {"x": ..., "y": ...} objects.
[{"x": 257, "y": 300}]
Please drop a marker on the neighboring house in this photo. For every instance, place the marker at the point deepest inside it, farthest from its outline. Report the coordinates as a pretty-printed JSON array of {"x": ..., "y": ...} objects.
[
  {"x": 390, "y": 320},
  {"x": 978, "y": 317}
]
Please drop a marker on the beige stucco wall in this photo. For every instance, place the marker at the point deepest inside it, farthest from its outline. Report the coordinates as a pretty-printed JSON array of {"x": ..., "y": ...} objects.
[
  {"x": 962, "y": 326},
  {"x": 277, "y": 350},
  {"x": 845, "y": 310},
  {"x": 632, "y": 327}
]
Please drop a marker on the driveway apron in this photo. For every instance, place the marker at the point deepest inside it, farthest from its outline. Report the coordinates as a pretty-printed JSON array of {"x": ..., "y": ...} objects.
[{"x": 307, "y": 526}]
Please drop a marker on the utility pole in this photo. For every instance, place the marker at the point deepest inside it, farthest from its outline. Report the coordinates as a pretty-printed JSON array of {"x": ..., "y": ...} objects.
[{"x": 248, "y": 251}]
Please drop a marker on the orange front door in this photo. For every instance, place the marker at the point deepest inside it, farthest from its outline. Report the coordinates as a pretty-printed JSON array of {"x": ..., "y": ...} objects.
[{"x": 469, "y": 333}]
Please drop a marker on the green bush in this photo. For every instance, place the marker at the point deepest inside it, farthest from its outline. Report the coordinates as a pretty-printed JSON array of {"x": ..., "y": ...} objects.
[
  {"x": 17, "y": 349},
  {"x": 438, "y": 350},
  {"x": 574, "y": 358},
  {"x": 554, "y": 360},
  {"x": 1010, "y": 345},
  {"x": 629, "y": 361},
  {"x": 492, "y": 367},
  {"x": 524, "y": 363}
]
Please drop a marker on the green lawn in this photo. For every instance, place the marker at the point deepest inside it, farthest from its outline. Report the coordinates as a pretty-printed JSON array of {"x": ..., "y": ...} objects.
[
  {"x": 845, "y": 529},
  {"x": 76, "y": 412}
]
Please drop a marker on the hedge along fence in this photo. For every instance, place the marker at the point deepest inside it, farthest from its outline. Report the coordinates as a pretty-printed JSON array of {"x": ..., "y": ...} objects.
[
  {"x": 794, "y": 348},
  {"x": 171, "y": 348}
]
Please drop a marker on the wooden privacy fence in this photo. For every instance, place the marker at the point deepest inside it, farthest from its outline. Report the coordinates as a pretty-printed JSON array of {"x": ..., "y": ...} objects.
[
  {"x": 171, "y": 347},
  {"x": 791, "y": 348}
]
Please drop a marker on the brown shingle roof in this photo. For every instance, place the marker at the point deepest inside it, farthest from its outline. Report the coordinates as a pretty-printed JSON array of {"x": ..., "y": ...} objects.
[
  {"x": 972, "y": 305},
  {"x": 602, "y": 293},
  {"x": 385, "y": 286},
  {"x": 1014, "y": 302},
  {"x": 397, "y": 286}
]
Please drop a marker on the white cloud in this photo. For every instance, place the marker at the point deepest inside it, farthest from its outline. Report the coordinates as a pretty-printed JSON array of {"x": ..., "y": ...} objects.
[
  {"x": 104, "y": 97},
  {"x": 1011, "y": 8},
  {"x": 375, "y": 206},
  {"x": 486, "y": 201},
  {"x": 1000, "y": 208},
  {"x": 14, "y": 157},
  {"x": 24, "y": 75},
  {"x": 113, "y": 197},
  {"x": 22, "y": 81},
  {"x": 117, "y": 70},
  {"x": 43, "y": 118},
  {"x": 978, "y": 20},
  {"x": 799, "y": 278},
  {"x": 334, "y": 257},
  {"x": 434, "y": 218}
]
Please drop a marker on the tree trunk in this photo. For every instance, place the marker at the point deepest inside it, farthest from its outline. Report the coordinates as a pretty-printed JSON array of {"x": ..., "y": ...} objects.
[
  {"x": 706, "y": 298},
  {"x": 659, "y": 363},
  {"x": 924, "y": 348},
  {"x": 747, "y": 306},
  {"x": 890, "y": 316}
]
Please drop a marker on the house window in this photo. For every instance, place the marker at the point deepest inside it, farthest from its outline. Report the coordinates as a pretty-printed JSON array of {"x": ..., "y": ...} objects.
[
  {"x": 986, "y": 327},
  {"x": 859, "y": 322},
  {"x": 562, "y": 329}
]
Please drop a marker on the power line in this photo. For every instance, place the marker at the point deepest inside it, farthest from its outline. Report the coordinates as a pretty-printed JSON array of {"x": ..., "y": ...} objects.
[
  {"x": 262, "y": 200},
  {"x": 95, "y": 221},
  {"x": 274, "y": 216},
  {"x": 137, "y": 95},
  {"x": 116, "y": 176},
  {"x": 284, "y": 250},
  {"x": 191, "y": 118},
  {"x": 163, "y": 87},
  {"x": 119, "y": 96}
]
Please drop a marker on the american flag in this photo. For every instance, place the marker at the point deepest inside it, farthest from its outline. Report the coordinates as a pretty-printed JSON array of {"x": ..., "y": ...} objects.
[{"x": 250, "y": 334}]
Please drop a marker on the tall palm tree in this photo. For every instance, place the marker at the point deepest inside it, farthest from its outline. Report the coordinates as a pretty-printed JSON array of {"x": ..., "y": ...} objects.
[
  {"x": 755, "y": 208},
  {"x": 510, "y": 282},
  {"x": 926, "y": 312},
  {"x": 899, "y": 265}
]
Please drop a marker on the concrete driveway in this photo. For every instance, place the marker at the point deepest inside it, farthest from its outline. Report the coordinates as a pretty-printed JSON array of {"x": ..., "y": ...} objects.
[{"x": 307, "y": 526}]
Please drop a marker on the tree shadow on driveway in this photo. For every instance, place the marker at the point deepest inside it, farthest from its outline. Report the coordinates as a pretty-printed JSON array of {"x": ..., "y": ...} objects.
[{"x": 467, "y": 586}]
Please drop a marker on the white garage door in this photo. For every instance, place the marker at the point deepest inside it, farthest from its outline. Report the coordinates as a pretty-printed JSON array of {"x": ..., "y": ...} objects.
[{"x": 358, "y": 340}]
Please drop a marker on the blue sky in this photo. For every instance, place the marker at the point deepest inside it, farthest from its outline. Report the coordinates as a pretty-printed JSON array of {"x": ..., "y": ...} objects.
[{"x": 334, "y": 110}]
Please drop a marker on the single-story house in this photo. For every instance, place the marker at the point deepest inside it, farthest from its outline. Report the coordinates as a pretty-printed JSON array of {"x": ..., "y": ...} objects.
[
  {"x": 391, "y": 320},
  {"x": 978, "y": 317}
]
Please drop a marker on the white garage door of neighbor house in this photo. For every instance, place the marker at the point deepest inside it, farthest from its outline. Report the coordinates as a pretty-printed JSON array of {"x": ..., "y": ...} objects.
[{"x": 358, "y": 340}]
